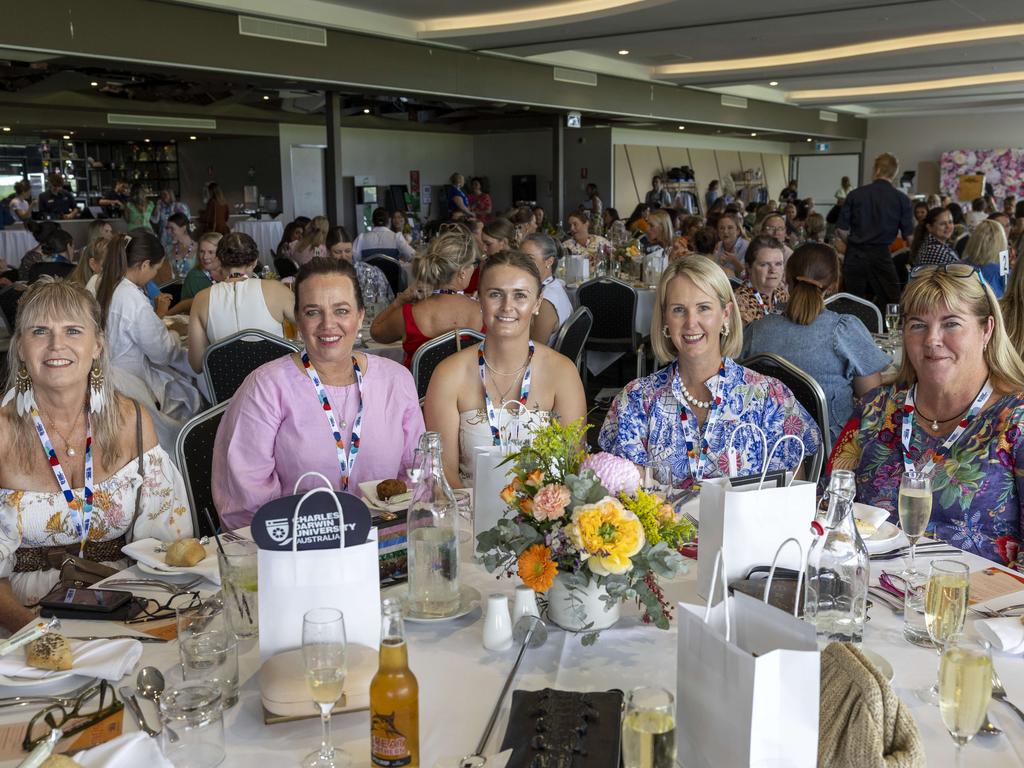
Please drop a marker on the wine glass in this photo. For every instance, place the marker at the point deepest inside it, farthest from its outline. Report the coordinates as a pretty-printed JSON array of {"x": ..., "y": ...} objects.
[
  {"x": 945, "y": 608},
  {"x": 915, "y": 508},
  {"x": 323, "y": 652},
  {"x": 965, "y": 688},
  {"x": 892, "y": 321},
  {"x": 649, "y": 729}
]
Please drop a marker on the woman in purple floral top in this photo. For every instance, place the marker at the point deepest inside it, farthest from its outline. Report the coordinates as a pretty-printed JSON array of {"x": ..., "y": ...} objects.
[
  {"x": 686, "y": 413},
  {"x": 958, "y": 405}
]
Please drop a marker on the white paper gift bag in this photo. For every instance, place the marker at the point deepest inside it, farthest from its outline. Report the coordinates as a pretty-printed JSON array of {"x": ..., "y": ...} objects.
[
  {"x": 293, "y": 581},
  {"x": 490, "y": 474},
  {"x": 747, "y": 686}
]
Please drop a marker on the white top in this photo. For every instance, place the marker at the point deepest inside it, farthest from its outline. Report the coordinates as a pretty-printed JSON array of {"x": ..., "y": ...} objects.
[
  {"x": 382, "y": 239},
  {"x": 94, "y": 284},
  {"x": 18, "y": 204},
  {"x": 41, "y": 518},
  {"x": 554, "y": 292},
  {"x": 238, "y": 306},
  {"x": 475, "y": 432}
]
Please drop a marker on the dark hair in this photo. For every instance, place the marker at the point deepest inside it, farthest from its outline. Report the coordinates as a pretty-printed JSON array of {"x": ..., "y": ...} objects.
[
  {"x": 501, "y": 229},
  {"x": 56, "y": 242},
  {"x": 921, "y": 204},
  {"x": 286, "y": 236},
  {"x": 978, "y": 204},
  {"x": 956, "y": 212},
  {"x": 123, "y": 253},
  {"x": 324, "y": 265},
  {"x": 516, "y": 259},
  {"x": 237, "y": 249},
  {"x": 216, "y": 194},
  {"x": 638, "y": 213},
  {"x": 998, "y": 215},
  {"x": 379, "y": 217},
  {"x": 704, "y": 240},
  {"x": 549, "y": 247},
  {"x": 179, "y": 219},
  {"x": 22, "y": 186},
  {"x": 1018, "y": 211},
  {"x": 758, "y": 244},
  {"x": 302, "y": 221},
  {"x": 812, "y": 270},
  {"x": 713, "y": 184},
  {"x": 337, "y": 235},
  {"x": 521, "y": 215},
  {"x": 921, "y": 231},
  {"x": 612, "y": 213}
]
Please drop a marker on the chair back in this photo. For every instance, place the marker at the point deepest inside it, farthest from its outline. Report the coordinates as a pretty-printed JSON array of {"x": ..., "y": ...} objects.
[
  {"x": 172, "y": 289},
  {"x": 193, "y": 451},
  {"x": 612, "y": 304},
  {"x": 52, "y": 268},
  {"x": 808, "y": 393},
  {"x": 230, "y": 360},
  {"x": 391, "y": 267},
  {"x": 432, "y": 353},
  {"x": 572, "y": 336},
  {"x": 285, "y": 267},
  {"x": 848, "y": 304},
  {"x": 9, "y": 305}
]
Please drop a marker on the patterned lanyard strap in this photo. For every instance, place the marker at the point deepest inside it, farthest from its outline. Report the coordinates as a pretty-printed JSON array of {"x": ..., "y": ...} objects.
[
  {"x": 908, "y": 428},
  {"x": 760, "y": 300},
  {"x": 689, "y": 431},
  {"x": 81, "y": 514},
  {"x": 446, "y": 292},
  {"x": 346, "y": 462},
  {"x": 524, "y": 392}
]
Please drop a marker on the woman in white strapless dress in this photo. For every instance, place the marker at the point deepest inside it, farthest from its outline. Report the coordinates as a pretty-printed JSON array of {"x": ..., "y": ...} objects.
[{"x": 464, "y": 399}]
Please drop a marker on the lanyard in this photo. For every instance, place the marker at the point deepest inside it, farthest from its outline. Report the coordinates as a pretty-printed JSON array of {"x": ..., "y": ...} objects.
[
  {"x": 689, "y": 434},
  {"x": 524, "y": 393},
  {"x": 759, "y": 299},
  {"x": 446, "y": 292},
  {"x": 546, "y": 282},
  {"x": 346, "y": 463},
  {"x": 908, "y": 429},
  {"x": 81, "y": 514}
]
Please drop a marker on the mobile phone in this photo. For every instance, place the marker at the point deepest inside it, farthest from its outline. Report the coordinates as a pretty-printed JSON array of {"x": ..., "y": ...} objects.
[{"x": 83, "y": 600}]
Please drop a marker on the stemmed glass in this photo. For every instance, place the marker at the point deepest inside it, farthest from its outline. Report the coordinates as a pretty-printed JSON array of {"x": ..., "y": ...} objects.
[
  {"x": 945, "y": 609},
  {"x": 915, "y": 507},
  {"x": 649, "y": 729},
  {"x": 892, "y": 322},
  {"x": 965, "y": 688},
  {"x": 323, "y": 652}
]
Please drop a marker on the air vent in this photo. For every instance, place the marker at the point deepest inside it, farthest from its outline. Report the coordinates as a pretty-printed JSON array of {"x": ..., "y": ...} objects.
[
  {"x": 282, "y": 30},
  {"x": 734, "y": 101},
  {"x": 159, "y": 121},
  {"x": 575, "y": 76},
  {"x": 828, "y": 117}
]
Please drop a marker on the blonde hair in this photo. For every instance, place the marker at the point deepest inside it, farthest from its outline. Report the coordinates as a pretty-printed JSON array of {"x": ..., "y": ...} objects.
[
  {"x": 54, "y": 299},
  {"x": 985, "y": 243},
  {"x": 664, "y": 222},
  {"x": 96, "y": 249},
  {"x": 709, "y": 278},
  {"x": 1012, "y": 305},
  {"x": 314, "y": 234},
  {"x": 886, "y": 165},
  {"x": 969, "y": 296},
  {"x": 448, "y": 253}
]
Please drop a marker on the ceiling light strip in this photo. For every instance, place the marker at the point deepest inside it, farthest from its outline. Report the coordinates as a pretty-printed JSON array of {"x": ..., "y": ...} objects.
[
  {"x": 912, "y": 87},
  {"x": 531, "y": 15},
  {"x": 156, "y": 121}
]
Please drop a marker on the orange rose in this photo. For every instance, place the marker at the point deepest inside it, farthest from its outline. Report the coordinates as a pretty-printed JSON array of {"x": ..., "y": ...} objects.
[
  {"x": 508, "y": 494},
  {"x": 535, "y": 478},
  {"x": 527, "y": 506}
]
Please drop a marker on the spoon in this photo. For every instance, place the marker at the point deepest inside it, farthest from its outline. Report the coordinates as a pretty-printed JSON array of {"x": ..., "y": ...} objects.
[
  {"x": 133, "y": 706},
  {"x": 150, "y": 684}
]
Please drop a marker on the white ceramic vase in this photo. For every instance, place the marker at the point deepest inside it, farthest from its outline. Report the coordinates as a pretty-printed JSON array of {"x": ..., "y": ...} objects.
[{"x": 564, "y": 607}]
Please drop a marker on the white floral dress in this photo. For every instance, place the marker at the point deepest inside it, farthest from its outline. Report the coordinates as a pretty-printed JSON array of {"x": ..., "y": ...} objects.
[{"x": 41, "y": 518}]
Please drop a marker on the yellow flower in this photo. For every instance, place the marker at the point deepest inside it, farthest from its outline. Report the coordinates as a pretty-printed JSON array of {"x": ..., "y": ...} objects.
[
  {"x": 607, "y": 535},
  {"x": 536, "y": 568}
]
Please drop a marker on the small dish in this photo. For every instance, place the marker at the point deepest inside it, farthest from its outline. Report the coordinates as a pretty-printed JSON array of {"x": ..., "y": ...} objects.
[
  {"x": 881, "y": 664},
  {"x": 469, "y": 599},
  {"x": 886, "y": 533}
]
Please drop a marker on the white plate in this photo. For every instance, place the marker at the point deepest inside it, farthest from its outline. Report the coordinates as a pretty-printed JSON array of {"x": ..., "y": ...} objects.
[
  {"x": 887, "y": 532},
  {"x": 176, "y": 570},
  {"x": 874, "y": 515},
  {"x": 881, "y": 664},
  {"x": 369, "y": 490},
  {"x": 469, "y": 599},
  {"x": 14, "y": 681}
]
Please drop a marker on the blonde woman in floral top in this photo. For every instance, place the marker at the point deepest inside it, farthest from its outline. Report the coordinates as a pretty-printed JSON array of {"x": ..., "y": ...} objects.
[
  {"x": 582, "y": 243},
  {"x": 57, "y": 343}
]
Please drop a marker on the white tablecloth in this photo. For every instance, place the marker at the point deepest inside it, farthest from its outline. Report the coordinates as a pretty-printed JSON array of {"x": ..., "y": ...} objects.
[
  {"x": 267, "y": 233},
  {"x": 14, "y": 244}
]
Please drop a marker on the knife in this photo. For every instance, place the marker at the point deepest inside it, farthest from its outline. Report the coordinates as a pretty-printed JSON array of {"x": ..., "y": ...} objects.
[{"x": 140, "y": 638}]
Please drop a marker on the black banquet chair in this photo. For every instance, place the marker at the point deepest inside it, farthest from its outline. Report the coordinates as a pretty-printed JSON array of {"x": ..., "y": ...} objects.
[
  {"x": 285, "y": 267},
  {"x": 432, "y": 353},
  {"x": 52, "y": 268},
  {"x": 572, "y": 336},
  {"x": 230, "y": 360},
  {"x": 172, "y": 289},
  {"x": 864, "y": 310},
  {"x": 193, "y": 451},
  {"x": 392, "y": 269},
  {"x": 808, "y": 393},
  {"x": 613, "y": 305}
]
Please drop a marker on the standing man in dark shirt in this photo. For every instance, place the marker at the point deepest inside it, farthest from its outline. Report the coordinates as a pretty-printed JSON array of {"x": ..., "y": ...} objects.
[
  {"x": 871, "y": 217},
  {"x": 116, "y": 199},
  {"x": 57, "y": 202},
  {"x": 789, "y": 194}
]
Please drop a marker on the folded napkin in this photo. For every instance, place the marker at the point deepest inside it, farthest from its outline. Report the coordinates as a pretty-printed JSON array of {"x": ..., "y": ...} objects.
[
  {"x": 145, "y": 551},
  {"x": 129, "y": 750},
  {"x": 106, "y": 659},
  {"x": 862, "y": 722},
  {"x": 1005, "y": 634}
]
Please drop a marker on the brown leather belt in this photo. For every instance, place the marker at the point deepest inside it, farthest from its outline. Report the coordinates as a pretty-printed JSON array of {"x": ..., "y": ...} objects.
[{"x": 39, "y": 558}]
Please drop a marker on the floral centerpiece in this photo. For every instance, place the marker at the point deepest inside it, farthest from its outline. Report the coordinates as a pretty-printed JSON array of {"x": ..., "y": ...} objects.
[{"x": 579, "y": 528}]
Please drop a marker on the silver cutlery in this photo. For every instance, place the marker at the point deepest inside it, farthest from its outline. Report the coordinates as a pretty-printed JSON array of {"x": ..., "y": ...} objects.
[
  {"x": 166, "y": 586},
  {"x": 64, "y": 699},
  {"x": 996, "y": 613},
  {"x": 132, "y": 703},
  {"x": 140, "y": 638},
  {"x": 999, "y": 692},
  {"x": 898, "y": 555},
  {"x": 886, "y": 599}
]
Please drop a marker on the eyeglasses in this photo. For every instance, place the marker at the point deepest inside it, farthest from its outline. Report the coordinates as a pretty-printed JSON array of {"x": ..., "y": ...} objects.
[
  {"x": 954, "y": 269},
  {"x": 154, "y": 610},
  {"x": 93, "y": 706}
]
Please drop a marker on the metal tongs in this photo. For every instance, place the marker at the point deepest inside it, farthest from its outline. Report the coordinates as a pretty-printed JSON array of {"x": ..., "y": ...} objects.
[{"x": 27, "y": 634}]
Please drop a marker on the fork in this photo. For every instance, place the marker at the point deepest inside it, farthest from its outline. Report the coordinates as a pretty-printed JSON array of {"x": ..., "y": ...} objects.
[
  {"x": 166, "y": 586},
  {"x": 65, "y": 700},
  {"x": 999, "y": 692}
]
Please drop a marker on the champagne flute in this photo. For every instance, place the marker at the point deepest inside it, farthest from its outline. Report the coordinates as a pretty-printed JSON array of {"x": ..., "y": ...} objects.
[
  {"x": 323, "y": 652},
  {"x": 649, "y": 729},
  {"x": 945, "y": 608},
  {"x": 892, "y": 321},
  {"x": 915, "y": 507},
  {"x": 965, "y": 688}
]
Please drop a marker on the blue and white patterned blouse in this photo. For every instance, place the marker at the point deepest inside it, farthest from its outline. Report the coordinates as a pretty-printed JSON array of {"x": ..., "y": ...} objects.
[{"x": 644, "y": 421}]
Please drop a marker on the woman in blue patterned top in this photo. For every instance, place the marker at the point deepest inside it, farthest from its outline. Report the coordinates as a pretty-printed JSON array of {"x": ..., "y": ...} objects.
[{"x": 686, "y": 413}]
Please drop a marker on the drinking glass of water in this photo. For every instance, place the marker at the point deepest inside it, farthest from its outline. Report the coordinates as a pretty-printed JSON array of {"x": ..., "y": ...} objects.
[
  {"x": 915, "y": 507},
  {"x": 324, "y": 653},
  {"x": 649, "y": 729}
]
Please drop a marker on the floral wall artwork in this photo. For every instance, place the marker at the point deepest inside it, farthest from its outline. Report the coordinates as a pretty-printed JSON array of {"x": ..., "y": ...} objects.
[{"x": 1002, "y": 168}]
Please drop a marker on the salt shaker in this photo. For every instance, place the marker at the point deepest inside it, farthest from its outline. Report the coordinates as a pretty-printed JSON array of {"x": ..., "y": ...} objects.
[
  {"x": 525, "y": 603},
  {"x": 497, "y": 624}
]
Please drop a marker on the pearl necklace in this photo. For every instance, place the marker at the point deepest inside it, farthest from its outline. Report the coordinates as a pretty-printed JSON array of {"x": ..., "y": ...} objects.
[{"x": 691, "y": 399}]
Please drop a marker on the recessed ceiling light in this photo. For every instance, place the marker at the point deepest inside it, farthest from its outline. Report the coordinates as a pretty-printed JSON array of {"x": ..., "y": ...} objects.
[
  {"x": 266, "y": 98},
  {"x": 753, "y": 133},
  {"x": 93, "y": 83},
  {"x": 809, "y": 138},
  {"x": 623, "y": 52},
  {"x": 682, "y": 127},
  {"x": 192, "y": 137},
  {"x": 366, "y": 111},
  {"x": 773, "y": 83},
  {"x": 146, "y": 140},
  {"x": 66, "y": 136},
  {"x": 7, "y": 129}
]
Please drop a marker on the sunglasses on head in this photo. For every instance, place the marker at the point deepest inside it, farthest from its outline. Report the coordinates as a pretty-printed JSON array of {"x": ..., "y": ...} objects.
[{"x": 955, "y": 269}]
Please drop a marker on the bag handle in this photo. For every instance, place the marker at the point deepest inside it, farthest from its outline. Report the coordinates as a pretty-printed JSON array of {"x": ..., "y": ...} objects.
[
  {"x": 799, "y": 577},
  {"x": 768, "y": 459},
  {"x": 505, "y": 436},
  {"x": 337, "y": 505},
  {"x": 304, "y": 475},
  {"x": 730, "y": 451},
  {"x": 719, "y": 566}
]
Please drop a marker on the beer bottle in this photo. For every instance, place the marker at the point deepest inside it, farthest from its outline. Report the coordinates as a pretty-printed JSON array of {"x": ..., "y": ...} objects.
[{"x": 394, "y": 697}]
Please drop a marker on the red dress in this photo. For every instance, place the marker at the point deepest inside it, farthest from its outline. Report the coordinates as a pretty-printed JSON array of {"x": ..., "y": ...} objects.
[{"x": 414, "y": 337}]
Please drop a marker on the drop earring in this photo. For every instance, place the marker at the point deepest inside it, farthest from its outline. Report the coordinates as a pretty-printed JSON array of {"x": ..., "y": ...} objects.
[
  {"x": 665, "y": 333},
  {"x": 97, "y": 397},
  {"x": 21, "y": 392}
]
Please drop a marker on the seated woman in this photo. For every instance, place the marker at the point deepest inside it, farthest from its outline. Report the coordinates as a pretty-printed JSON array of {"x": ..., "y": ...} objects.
[
  {"x": 141, "y": 346},
  {"x": 987, "y": 241},
  {"x": 182, "y": 247},
  {"x": 442, "y": 272},
  {"x": 932, "y": 243},
  {"x": 774, "y": 225},
  {"x": 60, "y": 397},
  {"x": 90, "y": 264},
  {"x": 685, "y": 414},
  {"x": 313, "y": 243},
  {"x": 467, "y": 391},
  {"x": 55, "y": 244},
  {"x": 283, "y": 420},
  {"x": 836, "y": 350},
  {"x": 206, "y": 270},
  {"x": 731, "y": 246},
  {"x": 555, "y": 305},
  {"x": 763, "y": 292},
  {"x": 955, "y": 412},
  {"x": 372, "y": 282},
  {"x": 238, "y": 302},
  {"x": 659, "y": 233},
  {"x": 582, "y": 243}
]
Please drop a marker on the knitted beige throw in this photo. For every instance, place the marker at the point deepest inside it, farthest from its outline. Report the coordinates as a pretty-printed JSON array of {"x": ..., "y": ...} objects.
[{"x": 863, "y": 724}]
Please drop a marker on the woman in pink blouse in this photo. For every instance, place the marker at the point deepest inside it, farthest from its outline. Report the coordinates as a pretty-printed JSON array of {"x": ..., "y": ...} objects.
[{"x": 281, "y": 422}]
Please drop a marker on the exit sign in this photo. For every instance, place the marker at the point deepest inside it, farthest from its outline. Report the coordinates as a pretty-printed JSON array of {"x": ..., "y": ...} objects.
[{"x": 821, "y": 146}]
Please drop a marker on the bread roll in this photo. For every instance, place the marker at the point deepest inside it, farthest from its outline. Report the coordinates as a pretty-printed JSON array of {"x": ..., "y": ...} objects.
[
  {"x": 185, "y": 552},
  {"x": 51, "y": 651},
  {"x": 60, "y": 761},
  {"x": 389, "y": 488}
]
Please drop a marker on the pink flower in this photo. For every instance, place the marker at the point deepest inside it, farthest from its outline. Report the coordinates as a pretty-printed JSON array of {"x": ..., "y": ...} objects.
[
  {"x": 551, "y": 501},
  {"x": 616, "y": 474}
]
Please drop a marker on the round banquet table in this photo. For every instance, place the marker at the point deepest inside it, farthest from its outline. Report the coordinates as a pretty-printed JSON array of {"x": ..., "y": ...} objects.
[
  {"x": 598, "y": 361},
  {"x": 14, "y": 244},
  {"x": 459, "y": 681},
  {"x": 266, "y": 232}
]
